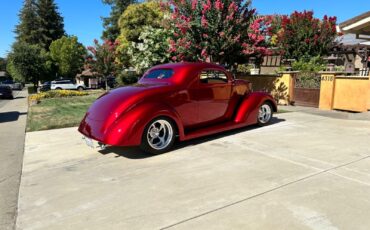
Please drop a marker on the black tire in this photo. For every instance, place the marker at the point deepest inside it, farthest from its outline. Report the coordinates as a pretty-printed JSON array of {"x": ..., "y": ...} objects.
[
  {"x": 265, "y": 113},
  {"x": 80, "y": 88},
  {"x": 170, "y": 127},
  {"x": 58, "y": 88}
]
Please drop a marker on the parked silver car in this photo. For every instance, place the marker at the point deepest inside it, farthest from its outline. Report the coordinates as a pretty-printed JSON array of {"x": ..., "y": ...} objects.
[{"x": 66, "y": 84}]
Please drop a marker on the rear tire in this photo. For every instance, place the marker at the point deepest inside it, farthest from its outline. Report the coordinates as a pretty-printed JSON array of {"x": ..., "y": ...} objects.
[
  {"x": 265, "y": 113},
  {"x": 58, "y": 88},
  {"x": 159, "y": 136},
  {"x": 80, "y": 88}
]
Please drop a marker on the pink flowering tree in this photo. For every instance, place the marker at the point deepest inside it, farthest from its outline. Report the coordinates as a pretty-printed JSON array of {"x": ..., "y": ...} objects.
[
  {"x": 102, "y": 57},
  {"x": 303, "y": 36},
  {"x": 220, "y": 31}
]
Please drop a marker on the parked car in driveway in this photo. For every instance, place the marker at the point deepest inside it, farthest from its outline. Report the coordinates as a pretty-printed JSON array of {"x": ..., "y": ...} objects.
[
  {"x": 46, "y": 86},
  {"x": 180, "y": 100},
  {"x": 66, "y": 84},
  {"x": 6, "y": 92},
  {"x": 12, "y": 84}
]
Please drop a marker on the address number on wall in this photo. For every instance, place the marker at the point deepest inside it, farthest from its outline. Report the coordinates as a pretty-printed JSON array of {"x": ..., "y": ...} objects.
[{"x": 327, "y": 78}]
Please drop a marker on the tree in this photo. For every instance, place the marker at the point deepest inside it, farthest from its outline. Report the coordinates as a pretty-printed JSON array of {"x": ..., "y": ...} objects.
[
  {"x": 27, "y": 62},
  {"x": 304, "y": 36},
  {"x": 110, "y": 24},
  {"x": 220, "y": 31},
  {"x": 27, "y": 29},
  {"x": 3, "y": 62},
  {"x": 132, "y": 23},
  {"x": 152, "y": 48},
  {"x": 51, "y": 25},
  {"x": 136, "y": 16},
  {"x": 10, "y": 68},
  {"x": 102, "y": 58},
  {"x": 69, "y": 55}
]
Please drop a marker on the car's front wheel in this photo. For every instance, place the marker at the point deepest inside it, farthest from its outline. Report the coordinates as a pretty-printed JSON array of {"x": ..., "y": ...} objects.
[
  {"x": 264, "y": 114},
  {"x": 80, "y": 88},
  {"x": 159, "y": 136}
]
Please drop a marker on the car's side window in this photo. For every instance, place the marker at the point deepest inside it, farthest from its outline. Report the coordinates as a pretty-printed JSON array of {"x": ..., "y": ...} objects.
[{"x": 212, "y": 76}]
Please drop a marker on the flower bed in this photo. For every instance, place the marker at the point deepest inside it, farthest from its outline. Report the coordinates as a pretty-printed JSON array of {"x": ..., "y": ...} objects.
[{"x": 35, "y": 98}]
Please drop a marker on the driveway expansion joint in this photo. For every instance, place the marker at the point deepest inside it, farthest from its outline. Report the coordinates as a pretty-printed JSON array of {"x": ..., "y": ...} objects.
[{"x": 266, "y": 192}]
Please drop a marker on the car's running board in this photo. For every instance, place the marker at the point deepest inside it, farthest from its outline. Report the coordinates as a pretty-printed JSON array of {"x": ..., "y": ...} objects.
[{"x": 213, "y": 130}]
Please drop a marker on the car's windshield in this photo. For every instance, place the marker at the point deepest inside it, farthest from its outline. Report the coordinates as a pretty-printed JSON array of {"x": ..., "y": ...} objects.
[{"x": 159, "y": 74}]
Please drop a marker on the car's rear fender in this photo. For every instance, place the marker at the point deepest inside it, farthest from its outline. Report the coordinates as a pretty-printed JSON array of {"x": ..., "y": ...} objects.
[
  {"x": 247, "y": 112},
  {"x": 128, "y": 129}
]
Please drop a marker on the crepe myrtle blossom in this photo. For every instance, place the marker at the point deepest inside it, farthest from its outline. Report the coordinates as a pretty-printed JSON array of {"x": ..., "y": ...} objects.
[
  {"x": 313, "y": 36},
  {"x": 220, "y": 31}
]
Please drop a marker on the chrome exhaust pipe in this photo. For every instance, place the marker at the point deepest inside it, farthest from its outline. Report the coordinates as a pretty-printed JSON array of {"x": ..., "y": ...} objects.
[{"x": 102, "y": 146}]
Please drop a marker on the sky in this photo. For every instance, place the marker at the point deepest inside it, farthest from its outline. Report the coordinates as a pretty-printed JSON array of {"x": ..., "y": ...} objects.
[{"x": 83, "y": 17}]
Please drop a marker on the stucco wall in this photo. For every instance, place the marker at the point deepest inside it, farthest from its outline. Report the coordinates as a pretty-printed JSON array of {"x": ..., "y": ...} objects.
[
  {"x": 351, "y": 93},
  {"x": 278, "y": 85}
]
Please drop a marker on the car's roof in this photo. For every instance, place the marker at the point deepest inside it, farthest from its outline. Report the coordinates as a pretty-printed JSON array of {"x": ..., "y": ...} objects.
[
  {"x": 62, "y": 80},
  {"x": 183, "y": 71},
  {"x": 178, "y": 65}
]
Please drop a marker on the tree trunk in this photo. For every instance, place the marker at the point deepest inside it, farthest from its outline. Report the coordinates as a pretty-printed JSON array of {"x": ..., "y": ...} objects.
[{"x": 106, "y": 84}]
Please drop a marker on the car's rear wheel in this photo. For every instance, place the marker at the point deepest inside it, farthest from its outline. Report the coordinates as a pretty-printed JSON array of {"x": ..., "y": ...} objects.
[
  {"x": 159, "y": 136},
  {"x": 265, "y": 113},
  {"x": 80, "y": 88},
  {"x": 58, "y": 88}
]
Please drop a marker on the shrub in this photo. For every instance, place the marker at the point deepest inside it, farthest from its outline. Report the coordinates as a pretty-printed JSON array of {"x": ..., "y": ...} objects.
[
  {"x": 314, "y": 64},
  {"x": 127, "y": 78},
  {"x": 31, "y": 90}
]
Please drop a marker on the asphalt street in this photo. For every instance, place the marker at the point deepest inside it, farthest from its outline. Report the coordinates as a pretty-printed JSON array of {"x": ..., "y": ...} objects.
[{"x": 13, "y": 116}]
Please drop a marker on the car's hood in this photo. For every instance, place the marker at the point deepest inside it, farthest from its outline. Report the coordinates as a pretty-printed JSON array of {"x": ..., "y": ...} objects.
[{"x": 116, "y": 101}]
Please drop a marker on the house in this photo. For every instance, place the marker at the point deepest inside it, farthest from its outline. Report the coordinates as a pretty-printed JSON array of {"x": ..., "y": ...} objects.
[
  {"x": 355, "y": 43},
  {"x": 89, "y": 78}
]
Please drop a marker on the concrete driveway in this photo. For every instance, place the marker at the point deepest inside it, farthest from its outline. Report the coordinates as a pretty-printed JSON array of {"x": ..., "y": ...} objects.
[{"x": 303, "y": 172}]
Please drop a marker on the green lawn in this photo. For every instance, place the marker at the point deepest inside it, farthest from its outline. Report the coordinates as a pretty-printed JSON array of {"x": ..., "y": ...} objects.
[{"x": 59, "y": 112}]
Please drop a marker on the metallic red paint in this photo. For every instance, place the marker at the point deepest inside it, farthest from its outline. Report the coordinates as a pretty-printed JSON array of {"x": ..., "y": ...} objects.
[{"x": 119, "y": 117}]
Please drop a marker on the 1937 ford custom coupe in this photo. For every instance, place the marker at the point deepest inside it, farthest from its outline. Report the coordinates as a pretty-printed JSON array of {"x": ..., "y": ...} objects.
[{"x": 181, "y": 100}]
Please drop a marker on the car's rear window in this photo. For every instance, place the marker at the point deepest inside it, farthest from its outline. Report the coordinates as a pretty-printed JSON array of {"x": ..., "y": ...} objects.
[{"x": 159, "y": 74}]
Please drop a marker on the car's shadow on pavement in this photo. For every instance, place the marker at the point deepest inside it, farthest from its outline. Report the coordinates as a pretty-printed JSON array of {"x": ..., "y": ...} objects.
[
  {"x": 10, "y": 116},
  {"x": 137, "y": 153}
]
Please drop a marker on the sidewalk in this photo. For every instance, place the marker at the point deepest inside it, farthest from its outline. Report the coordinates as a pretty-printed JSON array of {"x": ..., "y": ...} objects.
[
  {"x": 328, "y": 113},
  {"x": 13, "y": 117}
]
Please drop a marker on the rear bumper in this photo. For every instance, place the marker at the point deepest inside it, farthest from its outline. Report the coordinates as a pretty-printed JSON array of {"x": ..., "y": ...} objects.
[
  {"x": 116, "y": 134},
  {"x": 92, "y": 129}
]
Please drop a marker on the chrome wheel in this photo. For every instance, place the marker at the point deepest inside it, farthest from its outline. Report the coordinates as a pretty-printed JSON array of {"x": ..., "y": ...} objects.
[
  {"x": 160, "y": 134},
  {"x": 265, "y": 114}
]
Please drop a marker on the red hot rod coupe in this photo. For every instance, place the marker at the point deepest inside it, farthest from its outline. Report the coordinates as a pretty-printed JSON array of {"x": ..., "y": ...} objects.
[{"x": 182, "y": 100}]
